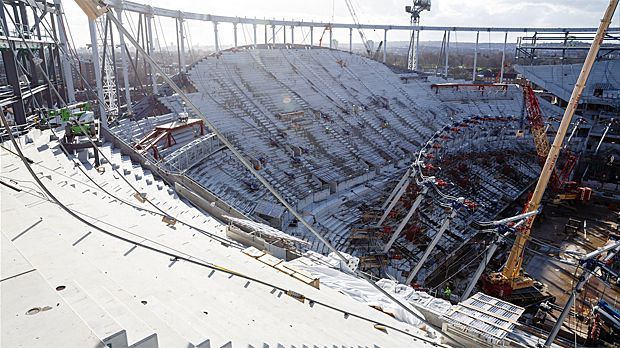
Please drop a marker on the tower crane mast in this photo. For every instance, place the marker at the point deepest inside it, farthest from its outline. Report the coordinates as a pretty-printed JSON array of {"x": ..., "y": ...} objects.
[
  {"x": 511, "y": 277},
  {"x": 415, "y": 10}
]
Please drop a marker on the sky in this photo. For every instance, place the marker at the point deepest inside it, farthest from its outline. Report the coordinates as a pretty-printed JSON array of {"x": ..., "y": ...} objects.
[{"x": 487, "y": 13}]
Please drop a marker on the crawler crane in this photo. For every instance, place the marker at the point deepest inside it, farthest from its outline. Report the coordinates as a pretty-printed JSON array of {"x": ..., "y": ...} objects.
[{"x": 511, "y": 280}]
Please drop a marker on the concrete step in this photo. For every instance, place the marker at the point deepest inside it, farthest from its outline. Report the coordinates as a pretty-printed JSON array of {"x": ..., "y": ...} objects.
[
  {"x": 166, "y": 336},
  {"x": 96, "y": 317},
  {"x": 176, "y": 316},
  {"x": 139, "y": 334}
]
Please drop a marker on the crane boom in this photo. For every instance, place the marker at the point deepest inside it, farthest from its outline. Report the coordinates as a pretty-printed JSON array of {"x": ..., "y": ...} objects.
[
  {"x": 511, "y": 274},
  {"x": 359, "y": 28}
]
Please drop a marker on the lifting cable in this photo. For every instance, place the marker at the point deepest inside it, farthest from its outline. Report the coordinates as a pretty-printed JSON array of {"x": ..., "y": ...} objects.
[{"x": 249, "y": 166}]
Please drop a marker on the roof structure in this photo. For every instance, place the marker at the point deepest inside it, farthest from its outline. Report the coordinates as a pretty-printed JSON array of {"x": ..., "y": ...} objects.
[{"x": 603, "y": 85}]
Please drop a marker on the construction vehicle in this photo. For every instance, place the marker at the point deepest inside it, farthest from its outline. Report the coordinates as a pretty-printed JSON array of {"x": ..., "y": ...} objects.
[
  {"x": 512, "y": 280},
  {"x": 78, "y": 119},
  {"x": 562, "y": 189}
]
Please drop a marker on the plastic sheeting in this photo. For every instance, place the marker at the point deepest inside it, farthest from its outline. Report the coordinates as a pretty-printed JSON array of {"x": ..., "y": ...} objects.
[
  {"x": 327, "y": 268},
  {"x": 359, "y": 290}
]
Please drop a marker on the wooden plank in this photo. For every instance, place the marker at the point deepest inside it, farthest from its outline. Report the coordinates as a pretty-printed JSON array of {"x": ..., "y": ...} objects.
[
  {"x": 269, "y": 260},
  {"x": 282, "y": 268},
  {"x": 253, "y": 252}
]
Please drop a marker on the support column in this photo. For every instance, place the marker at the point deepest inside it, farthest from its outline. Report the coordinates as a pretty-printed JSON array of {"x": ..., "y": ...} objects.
[
  {"x": 98, "y": 79},
  {"x": 384, "y": 45},
  {"x": 217, "y": 39},
  {"x": 350, "y": 40},
  {"x": 488, "y": 255},
  {"x": 284, "y": 33},
  {"x": 235, "y": 33},
  {"x": 181, "y": 45},
  {"x": 473, "y": 74},
  {"x": 429, "y": 249},
  {"x": 125, "y": 69},
  {"x": 311, "y": 36},
  {"x": 396, "y": 189},
  {"x": 331, "y": 41},
  {"x": 404, "y": 222},
  {"x": 255, "y": 36},
  {"x": 401, "y": 190},
  {"x": 273, "y": 34},
  {"x": 266, "y": 38},
  {"x": 416, "y": 62},
  {"x": 66, "y": 65},
  {"x": 54, "y": 56},
  {"x": 151, "y": 44},
  {"x": 501, "y": 72},
  {"x": 292, "y": 35},
  {"x": 445, "y": 69}
]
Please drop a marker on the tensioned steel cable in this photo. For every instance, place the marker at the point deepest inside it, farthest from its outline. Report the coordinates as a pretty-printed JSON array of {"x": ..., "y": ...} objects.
[
  {"x": 96, "y": 147},
  {"x": 189, "y": 259},
  {"x": 280, "y": 198}
]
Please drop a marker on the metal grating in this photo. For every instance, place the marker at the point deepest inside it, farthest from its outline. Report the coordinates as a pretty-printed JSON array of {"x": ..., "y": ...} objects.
[{"x": 485, "y": 316}]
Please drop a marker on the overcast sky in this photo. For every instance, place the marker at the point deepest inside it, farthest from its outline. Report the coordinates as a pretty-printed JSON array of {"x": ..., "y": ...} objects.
[{"x": 514, "y": 13}]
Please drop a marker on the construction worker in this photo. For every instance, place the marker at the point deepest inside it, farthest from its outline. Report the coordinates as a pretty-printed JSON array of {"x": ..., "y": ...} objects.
[{"x": 447, "y": 293}]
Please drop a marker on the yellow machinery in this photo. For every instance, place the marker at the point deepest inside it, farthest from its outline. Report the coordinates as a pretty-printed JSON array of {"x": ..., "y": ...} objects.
[{"x": 511, "y": 278}]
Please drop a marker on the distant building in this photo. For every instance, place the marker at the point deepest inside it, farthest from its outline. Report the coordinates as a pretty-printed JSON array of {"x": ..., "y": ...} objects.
[{"x": 87, "y": 69}]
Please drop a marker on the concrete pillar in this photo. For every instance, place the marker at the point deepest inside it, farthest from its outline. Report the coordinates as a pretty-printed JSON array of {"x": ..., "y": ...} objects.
[
  {"x": 98, "y": 79},
  {"x": 447, "y": 61},
  {"x": 350, "y": 39},
  {"x": 181, "y": 45},
  {"x": 273, "y": 34},
  {"x": 255, "y": 37},
  {"x": 66, "y": 65},
  {"x": 311, "y": 36},
  {"x": 292, "y": 35},
  {"x": 217, "y": 39},
  {"x": 266, "y": 38},
  {"x": 473, "y": 74},
  {"x": 284, "y": 31},
  {"x": 235, "y": 33},
  {"x": 385, "y": 45},
  {"x": 501, "y": 71},
  {"x": 151, "y": 44},
  {"x": 125, "y": 68}
]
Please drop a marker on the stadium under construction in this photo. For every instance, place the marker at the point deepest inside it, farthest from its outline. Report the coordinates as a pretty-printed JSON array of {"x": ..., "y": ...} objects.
[{"x": 292, "y": 192}]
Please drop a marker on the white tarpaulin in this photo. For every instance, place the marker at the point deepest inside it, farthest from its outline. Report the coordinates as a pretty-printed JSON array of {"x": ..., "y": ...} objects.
[{"x": 359, "y": 289}]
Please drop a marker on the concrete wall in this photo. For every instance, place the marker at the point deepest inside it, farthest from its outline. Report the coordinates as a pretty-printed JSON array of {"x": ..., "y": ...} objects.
[{"x": 172, "y": 179}]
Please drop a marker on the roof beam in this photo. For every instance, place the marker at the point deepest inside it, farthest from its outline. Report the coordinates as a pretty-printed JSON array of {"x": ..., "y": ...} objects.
[{"x": 158, "y": 11}]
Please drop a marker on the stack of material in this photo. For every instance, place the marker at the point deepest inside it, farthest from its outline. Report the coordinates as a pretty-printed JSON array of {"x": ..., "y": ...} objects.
[{"x": 484, "y": 319}]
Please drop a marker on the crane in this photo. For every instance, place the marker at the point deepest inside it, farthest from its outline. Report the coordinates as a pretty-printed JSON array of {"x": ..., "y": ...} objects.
[
  {"x": 415, "y": 10},
  {"x": 511, "y": 278},
  {"x": 359, "y": 29},
  {"x": 327, "y": 27},
  {"x": 558, "y": 182}
]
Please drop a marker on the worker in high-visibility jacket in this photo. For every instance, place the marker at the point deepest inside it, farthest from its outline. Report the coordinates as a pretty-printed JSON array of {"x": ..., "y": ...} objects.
[{"x": 447, "y": 293}]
